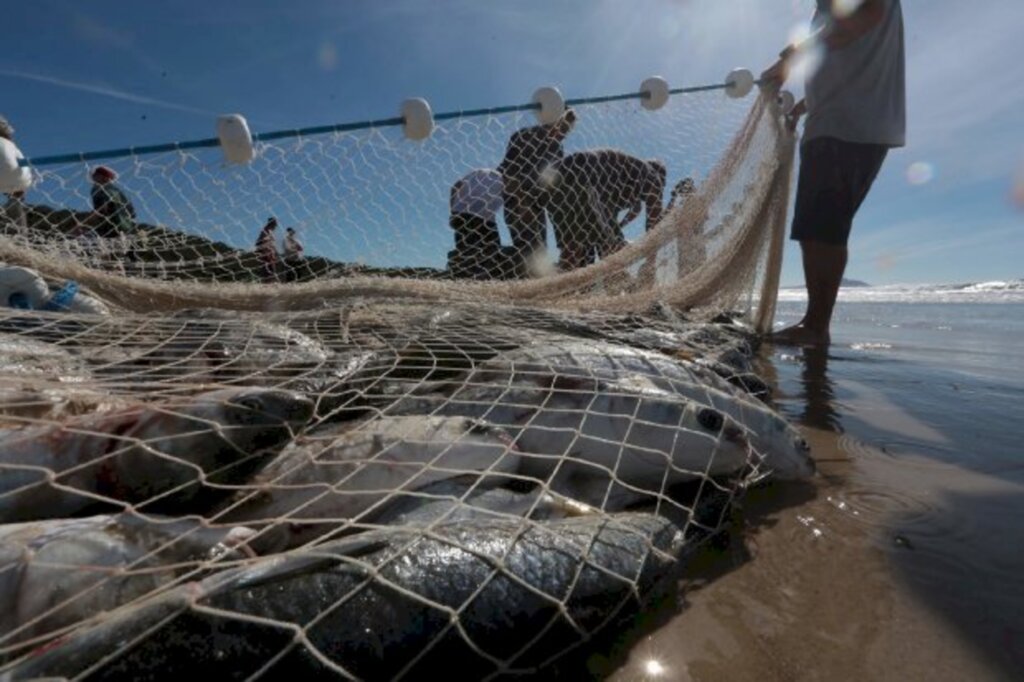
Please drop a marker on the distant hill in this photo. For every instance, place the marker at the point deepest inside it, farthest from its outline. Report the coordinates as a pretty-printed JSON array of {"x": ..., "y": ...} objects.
[{"x": 170, "y": 254}]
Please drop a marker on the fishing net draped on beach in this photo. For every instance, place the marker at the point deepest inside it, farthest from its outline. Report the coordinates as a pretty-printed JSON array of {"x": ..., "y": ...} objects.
[{"x": 490, "y": 395}]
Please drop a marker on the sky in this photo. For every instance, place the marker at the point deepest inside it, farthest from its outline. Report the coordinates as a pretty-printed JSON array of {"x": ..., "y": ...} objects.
[{"x": 83, "y": 76}]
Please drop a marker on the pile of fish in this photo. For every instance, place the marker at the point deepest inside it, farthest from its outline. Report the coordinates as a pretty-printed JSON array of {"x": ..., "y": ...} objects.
[{"x": 363, "y": 491}]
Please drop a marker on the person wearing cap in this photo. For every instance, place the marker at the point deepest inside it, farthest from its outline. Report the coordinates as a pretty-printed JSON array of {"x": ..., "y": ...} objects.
[
  {"x": 530, "y": 152},
  {"x": 588, "y": 192},
  {"x": 855, "y": 103},
  {"x": 113, "y": 213},
  {"x": 14, "y": 178},
  {"x": 292, "y": 255},
  {"x": 474, "y": 202},
  {"x": 266, "y": 249}
]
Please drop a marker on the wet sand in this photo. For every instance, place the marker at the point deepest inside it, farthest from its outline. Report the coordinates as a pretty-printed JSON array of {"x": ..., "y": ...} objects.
[{"x": 904, "y": 560}]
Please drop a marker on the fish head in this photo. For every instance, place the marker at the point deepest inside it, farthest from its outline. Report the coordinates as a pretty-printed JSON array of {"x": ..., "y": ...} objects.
[
  {"x": 255, "y": 418},
  {"x": 718, "y": 424},
  {"x": 786, "y": 452},
  {"x": 219, "y": 427}
]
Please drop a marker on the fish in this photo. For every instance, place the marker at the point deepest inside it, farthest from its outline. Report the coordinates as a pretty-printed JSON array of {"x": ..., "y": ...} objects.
[
  {"x": 173, "y": 455},
  {"x": 465, "y": 600},
  {"x": 331, "y": 477},
  {"x": 785, "y": 450},
  {"x": 214, "y": 346},
  {"x": 463, "y": 498},
  {"x": 56, "y": 573},
  {"x": 577, "y": 432},
  {"x": 25, "y": 401},
  {"x": 22, "y": 356}
]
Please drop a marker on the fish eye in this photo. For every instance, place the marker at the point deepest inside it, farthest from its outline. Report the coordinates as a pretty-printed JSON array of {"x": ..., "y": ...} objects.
[
  {"x": 251, "y": 403},
  {"x": 711, "y": 420},
  {"x": 802, "y": 445}
]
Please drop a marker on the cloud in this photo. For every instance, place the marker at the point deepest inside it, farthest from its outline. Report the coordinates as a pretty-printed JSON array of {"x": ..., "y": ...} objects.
[{"x": 104, "y": 91}]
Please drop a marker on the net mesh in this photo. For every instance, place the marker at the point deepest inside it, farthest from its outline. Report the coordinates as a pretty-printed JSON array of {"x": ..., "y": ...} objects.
[{"x": 484, "y": 415}]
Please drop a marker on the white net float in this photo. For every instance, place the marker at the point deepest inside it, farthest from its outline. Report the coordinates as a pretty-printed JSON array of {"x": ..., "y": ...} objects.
[
  {"x": 13, "y": 178},
  {"x": 552, "y": 104},
  {"x": 739, "y": 83},
  {"x": 235, "y": 138},
  {"x": 419, "y": 119},
  {"x": 657, "y": 93},
  {"x": 21, "y": 287}
]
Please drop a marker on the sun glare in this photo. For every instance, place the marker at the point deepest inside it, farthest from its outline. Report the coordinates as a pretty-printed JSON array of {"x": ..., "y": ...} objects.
[
  {"x": 654, "y": 668},
  {"x": 844, "y": 8}
]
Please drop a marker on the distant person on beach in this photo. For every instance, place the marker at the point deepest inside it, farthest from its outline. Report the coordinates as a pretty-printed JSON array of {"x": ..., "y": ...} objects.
[
  {"x": 14, "y": 179},
  {"x": 855, "y": 107},
  {"x": 113, "y": 213},
  {"x": 474, "y": 202},
  {"x": 292, "y": 255},
  {"x": 266, "y": 249},
  {"x": 588, "y": 192},
  {"x": 530, "y": 152}
]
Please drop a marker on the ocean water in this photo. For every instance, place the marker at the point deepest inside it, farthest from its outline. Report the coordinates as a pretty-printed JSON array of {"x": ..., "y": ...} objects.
[
  {"x": 927, "y": 389},
  {"x": 905, "y": 558}
]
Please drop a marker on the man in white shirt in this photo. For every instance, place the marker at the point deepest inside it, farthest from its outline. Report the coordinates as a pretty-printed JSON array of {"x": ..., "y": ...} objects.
[
  {"x": 856, "y": 111},
  {"x": 14, "y": 178},
  {"x": 475, "y": 201}
]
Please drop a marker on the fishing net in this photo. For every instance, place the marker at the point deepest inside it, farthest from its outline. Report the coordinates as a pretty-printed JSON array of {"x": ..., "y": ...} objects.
[{"x": 424, "y": 436}]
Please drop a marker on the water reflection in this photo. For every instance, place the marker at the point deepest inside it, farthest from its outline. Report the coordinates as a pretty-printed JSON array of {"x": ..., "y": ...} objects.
[
  {"x": 813, "y": 403},
  {"x": 819, "y": 392}
]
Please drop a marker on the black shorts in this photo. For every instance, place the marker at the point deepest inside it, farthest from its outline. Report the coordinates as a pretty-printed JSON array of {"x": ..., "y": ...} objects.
[{"x": 835, "y": 176}]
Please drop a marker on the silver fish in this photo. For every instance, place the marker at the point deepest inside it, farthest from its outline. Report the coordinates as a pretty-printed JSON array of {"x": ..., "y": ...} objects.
[
  {"x": 57, "y": 573},
  {"x": 172, "y": 454},
  {"x": 325, "y": 479},
  {"x": 213, "y": 346},
  {"x": 385, "y": 604},
  {"x": 588, "y": 430},
  {"x": 785, "y": 450},
  {"x": 21, "y": 356}
]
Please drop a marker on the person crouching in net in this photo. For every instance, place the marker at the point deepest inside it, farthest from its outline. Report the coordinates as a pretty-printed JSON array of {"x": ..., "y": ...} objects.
[
  {"x": 474, "y": 203},
  {"x": 588, "y": 192}
]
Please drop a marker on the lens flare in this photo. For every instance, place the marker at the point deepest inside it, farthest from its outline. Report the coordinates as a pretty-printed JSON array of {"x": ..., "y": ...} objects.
[
  {"x": 806, "y": 62},
  {"x": 920, "y": 173},
  {"x": 327, "y": 56},
  {"x": 654, "y": 668},
  {"x": 844, "y": 8}
]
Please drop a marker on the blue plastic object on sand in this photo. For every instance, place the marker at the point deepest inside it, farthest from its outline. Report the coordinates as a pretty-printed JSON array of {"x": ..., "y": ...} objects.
[{"x": 62, "y": 298}]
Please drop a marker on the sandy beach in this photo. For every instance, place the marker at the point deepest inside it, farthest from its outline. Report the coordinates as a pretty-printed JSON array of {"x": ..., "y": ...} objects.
[{"x": 902, "y": 561}]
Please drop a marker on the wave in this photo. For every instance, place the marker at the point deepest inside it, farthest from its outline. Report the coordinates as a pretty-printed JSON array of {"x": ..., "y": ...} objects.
[{"x": 995, "y": 291}]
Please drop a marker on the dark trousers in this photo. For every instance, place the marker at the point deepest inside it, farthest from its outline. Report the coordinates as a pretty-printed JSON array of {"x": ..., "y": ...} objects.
[
  {"x": 474, "y": 234},
  {"x": 583, "y": 230},
  {"x": 525, "y": 216},
  {"x": 478, "y": 252}
]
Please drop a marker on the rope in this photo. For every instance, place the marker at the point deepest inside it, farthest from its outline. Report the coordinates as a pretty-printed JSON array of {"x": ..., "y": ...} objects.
[{"x": 339, "y": 128}]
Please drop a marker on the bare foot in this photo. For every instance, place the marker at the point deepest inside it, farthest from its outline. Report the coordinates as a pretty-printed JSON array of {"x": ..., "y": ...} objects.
[{"x": 800, "y": 335}]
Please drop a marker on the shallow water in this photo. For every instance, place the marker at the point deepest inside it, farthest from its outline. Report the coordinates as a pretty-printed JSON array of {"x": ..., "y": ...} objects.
[{"x": 905, "y": 559}]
